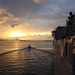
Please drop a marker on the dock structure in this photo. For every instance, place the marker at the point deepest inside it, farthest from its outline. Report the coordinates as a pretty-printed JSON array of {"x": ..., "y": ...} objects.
[{"x": 64, "y": 47}]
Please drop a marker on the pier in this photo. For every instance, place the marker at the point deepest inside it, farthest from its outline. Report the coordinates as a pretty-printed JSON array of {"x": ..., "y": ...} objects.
[{"x": 64, "y": 47}]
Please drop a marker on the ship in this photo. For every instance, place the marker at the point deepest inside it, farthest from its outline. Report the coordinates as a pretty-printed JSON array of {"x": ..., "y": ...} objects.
[{"x": 64, "y": 47}]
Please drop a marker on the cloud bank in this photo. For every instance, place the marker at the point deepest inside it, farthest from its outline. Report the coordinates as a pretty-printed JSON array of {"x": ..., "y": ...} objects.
[
  {"x": 39, "y": 16},
  {"x": 6, "y": 17}
]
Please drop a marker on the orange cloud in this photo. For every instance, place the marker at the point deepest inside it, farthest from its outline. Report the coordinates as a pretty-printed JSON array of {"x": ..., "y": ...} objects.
[
  {"x": 5, "y": 16},
  {"x": 40, "y": 1}
]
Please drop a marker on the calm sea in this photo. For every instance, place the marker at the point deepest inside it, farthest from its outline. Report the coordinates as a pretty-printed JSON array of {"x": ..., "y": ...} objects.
[{"x": 16, "y": 59}]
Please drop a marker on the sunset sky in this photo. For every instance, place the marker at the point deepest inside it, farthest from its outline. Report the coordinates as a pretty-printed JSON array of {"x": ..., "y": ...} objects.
[{"x": 33, "y": 19}]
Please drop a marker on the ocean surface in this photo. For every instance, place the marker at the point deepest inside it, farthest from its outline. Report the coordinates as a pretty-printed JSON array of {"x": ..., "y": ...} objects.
[{"x": 17, "y": 59}]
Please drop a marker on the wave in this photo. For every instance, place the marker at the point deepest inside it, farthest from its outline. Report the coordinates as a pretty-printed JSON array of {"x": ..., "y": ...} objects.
[
  {"x": 26, "y": 48},
  {"x": 11, "y": 51}
]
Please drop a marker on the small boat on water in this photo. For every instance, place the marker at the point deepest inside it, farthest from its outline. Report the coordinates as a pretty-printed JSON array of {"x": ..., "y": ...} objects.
[{"x": 29, "y": 47}]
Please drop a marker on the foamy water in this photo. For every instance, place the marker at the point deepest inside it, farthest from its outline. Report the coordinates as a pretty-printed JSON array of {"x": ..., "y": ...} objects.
[{"x": 16, "y": 59}]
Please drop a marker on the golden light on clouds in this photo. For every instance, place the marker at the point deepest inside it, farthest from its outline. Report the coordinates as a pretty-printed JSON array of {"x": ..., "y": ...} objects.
[
  {"x": 13, "y": 27},
  {"x": 40, "y": 1},
  {"x": 6, "y": 16}
]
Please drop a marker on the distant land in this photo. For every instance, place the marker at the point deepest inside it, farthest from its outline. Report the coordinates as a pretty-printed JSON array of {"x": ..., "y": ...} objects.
[{"x": 22, "y": 40}]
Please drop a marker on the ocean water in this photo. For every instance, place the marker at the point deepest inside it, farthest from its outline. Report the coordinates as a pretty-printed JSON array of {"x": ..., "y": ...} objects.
[{"x": 16, "y": 59}]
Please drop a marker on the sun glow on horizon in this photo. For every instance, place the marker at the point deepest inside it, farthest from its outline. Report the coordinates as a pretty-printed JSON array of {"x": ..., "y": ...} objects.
[{"x": 16, "y": 34}]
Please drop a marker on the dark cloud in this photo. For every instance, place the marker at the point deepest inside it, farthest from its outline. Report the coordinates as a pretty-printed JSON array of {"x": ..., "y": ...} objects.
[
  {"x": 41, "y": 15},
  {"x": 32, "y": 9},
  {"x": 20, "y": 7},
  {"x": 56, "y": 11}
]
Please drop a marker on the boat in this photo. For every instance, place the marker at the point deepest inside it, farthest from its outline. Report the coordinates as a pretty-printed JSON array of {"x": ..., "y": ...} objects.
[
  {"x": 29, "y": 47},
  {"x": 64, "y": 48}
]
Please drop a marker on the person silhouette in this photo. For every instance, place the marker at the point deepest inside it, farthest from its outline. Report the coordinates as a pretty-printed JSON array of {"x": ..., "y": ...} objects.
[
  {"x": 70, "y": 18},
  {"x": 71, "y": 15}
]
